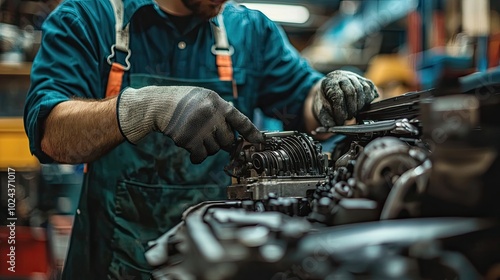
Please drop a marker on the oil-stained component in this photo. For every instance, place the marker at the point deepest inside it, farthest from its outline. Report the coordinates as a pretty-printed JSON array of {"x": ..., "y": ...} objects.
[
  {"x": 382, "y": 162},
  {"x": 283, "y": 154},
  {"x": 287, "y": 164}
]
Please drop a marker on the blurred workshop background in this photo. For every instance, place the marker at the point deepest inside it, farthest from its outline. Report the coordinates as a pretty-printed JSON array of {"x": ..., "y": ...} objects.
[{"x": 402, "y": 45}]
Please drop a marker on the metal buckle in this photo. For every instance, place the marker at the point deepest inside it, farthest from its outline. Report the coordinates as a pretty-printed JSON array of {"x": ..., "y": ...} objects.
[
  {"x": 216, "y": 51},
  {"x": 129, "y": 53}
]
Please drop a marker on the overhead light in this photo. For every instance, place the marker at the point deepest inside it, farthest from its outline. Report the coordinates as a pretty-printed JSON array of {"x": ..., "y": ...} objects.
[{"x": 282, "y": 13}]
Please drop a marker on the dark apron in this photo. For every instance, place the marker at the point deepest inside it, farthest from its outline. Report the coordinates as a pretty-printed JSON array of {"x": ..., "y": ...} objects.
[{"x": 137, "y": 194}]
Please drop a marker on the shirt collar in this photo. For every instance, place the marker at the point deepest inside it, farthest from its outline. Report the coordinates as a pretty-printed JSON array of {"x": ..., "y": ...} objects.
[{"x": 132, "y": 6}]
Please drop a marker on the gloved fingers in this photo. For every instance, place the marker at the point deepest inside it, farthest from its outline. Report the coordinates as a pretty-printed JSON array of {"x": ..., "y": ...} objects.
[
  {"x": 198, "y": 154},
  {"x": 346, "y": 92},
  {"x": 224, "y": 136},
  {"x": 244, "y": 126},
  {"x": 353, "y": 91},
  {"x": 211, "y": 145},
  {"x": 323, "y": 109},
  {"x": 332, "y": 89},
  {"x": 179, "y": 139},
  {"x": 364, "y": 93},
  {"x": 330, "y": 86},
  {"x": 338, "y": 100},
  {"x": 373, "y": 93},
  {"x": 367, "y": 94}
]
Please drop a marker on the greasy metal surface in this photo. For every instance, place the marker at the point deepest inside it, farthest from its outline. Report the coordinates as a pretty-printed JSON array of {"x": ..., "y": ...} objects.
[
  {"x": 286, "y": 187},
  {"x": 289, "y": 153}
]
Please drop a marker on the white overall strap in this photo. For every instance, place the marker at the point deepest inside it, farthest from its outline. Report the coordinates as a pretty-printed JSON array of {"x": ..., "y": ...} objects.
[
  {"x": 122, "y": 34},
  {"x": 221, "y": 45},
  {"x": 223, "y": 51}
]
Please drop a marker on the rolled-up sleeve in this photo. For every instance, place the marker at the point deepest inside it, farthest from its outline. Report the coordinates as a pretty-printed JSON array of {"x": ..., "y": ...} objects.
[
  {"x": 287, "y": 77},
  {"x": 66, "y": 66}
]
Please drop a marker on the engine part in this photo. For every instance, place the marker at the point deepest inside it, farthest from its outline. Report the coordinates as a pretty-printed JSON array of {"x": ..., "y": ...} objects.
[
  {"x": 288, "y": 164},
  {"x": 404, "y": 106},
  {"x": 338, "y": 201},
  {"x": 220, "y": 240},
  {"x": 283, "y": 154},
  {"x": 301, "y": 217},
  {"x": 403, "y": 197},
  {"x": 217, "y": 241},
  {"x": 382, "y": 162},
  {"x": 365, "y": 177},
  {"x": 351, "y": 155},
  {"x": 371, "y": 130}
]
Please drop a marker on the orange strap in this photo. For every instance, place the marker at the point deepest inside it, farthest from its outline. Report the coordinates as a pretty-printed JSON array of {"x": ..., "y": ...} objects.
[
  {"x": 224, "y": 66},
  {"x": 225, "y": 69},
  {"x": 115, "y": 80}
]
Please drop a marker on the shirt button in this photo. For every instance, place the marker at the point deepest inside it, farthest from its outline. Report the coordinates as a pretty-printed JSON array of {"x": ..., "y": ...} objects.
[{"x": 181, "y": 45}]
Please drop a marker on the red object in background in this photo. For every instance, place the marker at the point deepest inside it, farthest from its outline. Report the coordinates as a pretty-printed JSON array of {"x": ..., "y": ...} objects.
[
  {"x": 439, "y": 29},
  {"x": 494, "y": 50},
  {"x": 31, "y": 256},
  {"x": 414, "y": 33}
]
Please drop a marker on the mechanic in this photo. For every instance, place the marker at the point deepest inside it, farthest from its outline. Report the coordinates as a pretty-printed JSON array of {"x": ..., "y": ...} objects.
[{"x": 108, "y": 73}]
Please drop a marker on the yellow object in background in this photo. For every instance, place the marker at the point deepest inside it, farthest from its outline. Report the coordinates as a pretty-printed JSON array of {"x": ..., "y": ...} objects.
[
  {"x": 392, "y": 75},
  {"x": 14, "y": 146}
]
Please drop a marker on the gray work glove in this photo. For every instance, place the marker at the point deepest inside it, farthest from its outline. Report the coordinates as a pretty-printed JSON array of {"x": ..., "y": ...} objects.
[
  {"x": 341, "y": 96},
  {"x": 197, "y": 119}
]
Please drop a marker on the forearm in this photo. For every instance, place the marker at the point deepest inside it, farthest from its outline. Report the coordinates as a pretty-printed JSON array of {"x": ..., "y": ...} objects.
[
  {"x": 78, "y": 131},
  {"x": 311, "y": 122}
]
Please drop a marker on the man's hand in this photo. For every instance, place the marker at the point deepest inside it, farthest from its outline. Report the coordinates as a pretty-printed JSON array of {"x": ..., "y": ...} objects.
[
  {"x": 197, "y": 119},
  {"x": 341, "y": 95}
]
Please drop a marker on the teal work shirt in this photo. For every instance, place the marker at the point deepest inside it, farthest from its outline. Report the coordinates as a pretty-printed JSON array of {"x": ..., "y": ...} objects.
[{"x": 135, "y": 193}]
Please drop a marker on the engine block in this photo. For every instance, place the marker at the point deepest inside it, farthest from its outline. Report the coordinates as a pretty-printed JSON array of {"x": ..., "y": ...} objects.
[
  {"x": 287, "y": 164},
  {"x": 412, "y": 198}
]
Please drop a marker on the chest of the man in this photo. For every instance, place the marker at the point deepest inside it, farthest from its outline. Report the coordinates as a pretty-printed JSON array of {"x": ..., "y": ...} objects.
[{"x": 161, "y": 50}]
